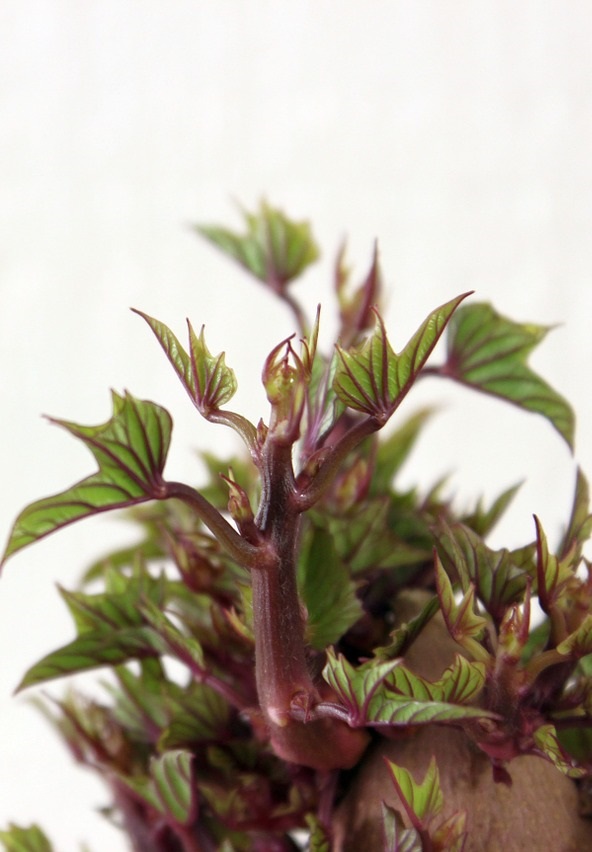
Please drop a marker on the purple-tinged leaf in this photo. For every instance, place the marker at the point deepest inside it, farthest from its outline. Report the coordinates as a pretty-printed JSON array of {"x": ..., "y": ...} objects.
[
  {"x": 460, "y": 683},
  {"x": 423, "y": 801},
  {"x": 114, "y": 609},
  {"x": 553, "y": 575},
  {"x": 548, "y": 745},
  {"x": 396, "y": 837},
  {"x": 206, "y": 378},
  {"x": 130, "y": 449},
  {"x": 274, "y": 248},
  {"x": 174, "y": 642},
  {"x": 490, "y": 352},
  {"x": 355, "y": 309},
  {"x": 578, "y": 643},
  {"x": 373, "y": 379},
  {"x": 451, "y": 835},
  {"x": 498, "y": 582},
  {"x": 19, "y": 839},
  {"x": 169, "y": 789},
  {"x": 462, "y": 622},
  {"x": 367, "y": 698},
  {"x": 94, "y": 649}
]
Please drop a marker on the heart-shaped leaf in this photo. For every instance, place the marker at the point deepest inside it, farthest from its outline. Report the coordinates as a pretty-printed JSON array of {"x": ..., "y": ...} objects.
[
  {"x": 373, "y": 379},
  {"x": 490, "y": 352},
  {"x": 130, "y": 449}
]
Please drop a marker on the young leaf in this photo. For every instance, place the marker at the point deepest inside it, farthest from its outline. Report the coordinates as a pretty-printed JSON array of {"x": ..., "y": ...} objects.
[
  {"x": 366, "y": 694},
  {"x": 18, "y": 839},
  {"x": 396, "y": 837},
  {"x": 490, "y": 352},
  {"x": 422, "y": 801},
  {"x": 206, "y": 378},
  {"x": 463, "y": 623},
  {"x": 497, "y": 581},
  {"x": 130, "y": 449},
  {"x": 578, "y": 643},
  {"x": 553, "y": 574},
  {"x": 373, "y": 379},
  {"x": 548, "y": 745},
  {"x": 460, "y": 683},
  {"x": 169, "y": 788},
  {"x": 274, "y": 248},
  {"x": 483, "y": 520},
  {"x": 319, "y": 840}
]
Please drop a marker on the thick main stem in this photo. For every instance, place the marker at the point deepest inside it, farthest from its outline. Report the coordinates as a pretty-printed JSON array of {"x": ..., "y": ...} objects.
[
  {"x": 283, "y": 679},
  {"x": 282, "y": 673}
]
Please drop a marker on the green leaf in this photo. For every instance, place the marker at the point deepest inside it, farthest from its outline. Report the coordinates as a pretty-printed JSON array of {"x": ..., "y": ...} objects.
[
  {"x": 18, "y": 839},
  {"x": 92, "y": 650},
  {"x": 553, "y": 575},
  {"x": 367, "y": 695},
  {"x": 578, "y": 643},
  {"x": 130, "y": 449},
  {"x": 319, "y": 840},
  {"x": 206, "y": 378},
  {"x": 111, "y": 610},
  {"x": 460, "y": 683},
  {"x": 462, "y": 622},
  {"x": 497, "y": 581},
  {"x": 200, "y": 716},
  {"x": 373, "y": 379},
  {"x": 274, "y": 249},
  {"x": 422, "y": 800},
  {"x": 490, "y": 352},
  {"x": 483, "y": 520},
  {"x": 169, "y": 788},
  {"x": 173, "y": 641},
  {"x": 547, "y": 742},
  {"x": 326, "y": 589},
  {"x": 396, "y": 837}
]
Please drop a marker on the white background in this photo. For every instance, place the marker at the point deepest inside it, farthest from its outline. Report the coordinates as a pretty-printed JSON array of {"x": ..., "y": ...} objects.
[{"x": 457, "y": 133}]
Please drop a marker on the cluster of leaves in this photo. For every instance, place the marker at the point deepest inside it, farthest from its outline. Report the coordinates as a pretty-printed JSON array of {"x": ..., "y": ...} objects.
[{"x": 182, "y": 736}]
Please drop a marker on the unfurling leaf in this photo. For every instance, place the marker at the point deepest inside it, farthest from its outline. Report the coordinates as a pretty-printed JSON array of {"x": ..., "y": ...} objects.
[
  {"x": 274, "y": 248},
  {"x": 497, "y": 580},
  {"x": 373, "y": 379},
  {"x": 462, "y": 621},
  {"x": 490, "y": 352},
  {"x": 130, "y": 449},
  {"x": 553, "y": 575},
  {"x": 206, "y": 378}
]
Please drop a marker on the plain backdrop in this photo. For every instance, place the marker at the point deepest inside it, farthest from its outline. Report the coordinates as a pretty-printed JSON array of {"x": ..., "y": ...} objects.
[{"x": 456, "y": 133}]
